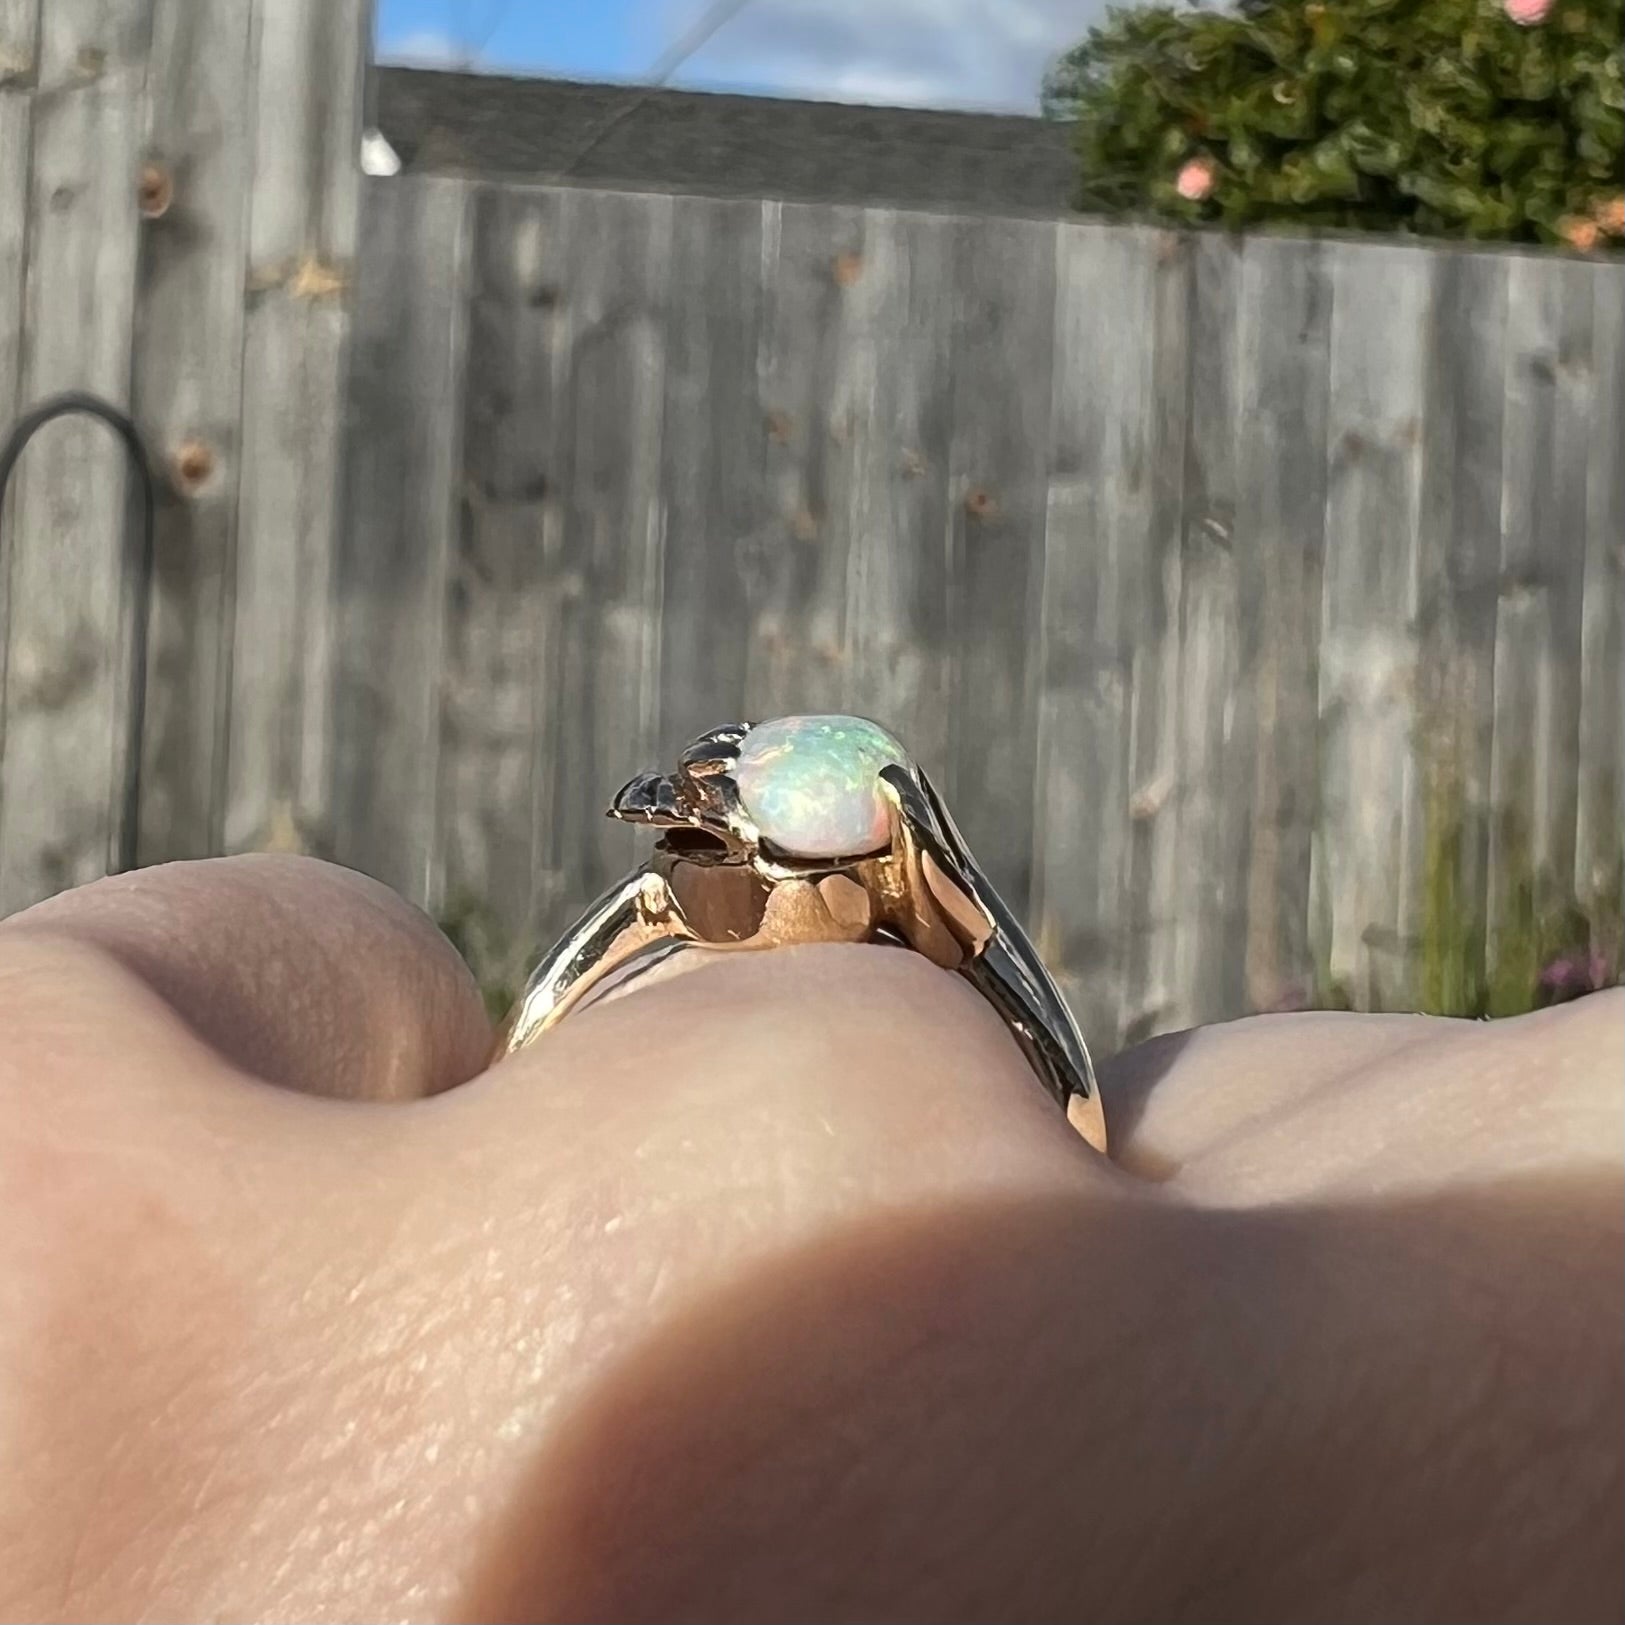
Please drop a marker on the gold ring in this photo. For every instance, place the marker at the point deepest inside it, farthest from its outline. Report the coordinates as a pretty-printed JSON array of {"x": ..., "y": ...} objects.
[{"x": 810, "y": 829}]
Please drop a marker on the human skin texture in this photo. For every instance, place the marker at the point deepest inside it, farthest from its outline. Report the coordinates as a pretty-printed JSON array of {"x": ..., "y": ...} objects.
[{"x": 778, "y": 1290}]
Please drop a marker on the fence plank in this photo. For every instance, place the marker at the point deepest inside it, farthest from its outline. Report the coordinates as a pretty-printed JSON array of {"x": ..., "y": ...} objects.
[
  {"x": 309, "y": 58},
  {"x": 1280, "y": 522},
  {"x": 845, "y": 610},
  {"x": 1109, "y": 624},
  {"x": 489, "y": 760},
  {"x": 1538, "y": 622},
  {"x": 65, "y": 690},
  {"x": 187, "y": 373},
  {"x": 1003, "y": 339},
  {"x": 19, "y": 46},
  {"x": 718, "y": 531},
  {"x": 1459, "y": 569},
  {"x": 1212, "y": 782},
  {"x": 1367, "y": 846},
  {"x": 600, "y": 586},
  {"x": 820, "y": 302},
  {"x": 1600, "y": 825},
  {"x": 403, "y": 453},
  {"x": 895, "y": 412}
]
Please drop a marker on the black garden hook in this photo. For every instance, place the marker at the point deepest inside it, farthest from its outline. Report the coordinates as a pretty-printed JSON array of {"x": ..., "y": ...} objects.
[{"x": 140, "y": 566}]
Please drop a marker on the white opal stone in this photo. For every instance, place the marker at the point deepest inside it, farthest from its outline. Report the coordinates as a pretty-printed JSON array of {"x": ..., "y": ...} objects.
[{"x": 811, "y": 784}]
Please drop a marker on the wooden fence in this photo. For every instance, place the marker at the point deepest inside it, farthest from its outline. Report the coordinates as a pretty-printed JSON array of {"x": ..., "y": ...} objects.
[
  {"x": 1257, "y": 604},
  {"x": 178, "y": 212}
]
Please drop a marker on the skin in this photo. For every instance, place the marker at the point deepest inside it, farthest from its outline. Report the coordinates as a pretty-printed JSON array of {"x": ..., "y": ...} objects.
[{"x": 775, "y": 1291}]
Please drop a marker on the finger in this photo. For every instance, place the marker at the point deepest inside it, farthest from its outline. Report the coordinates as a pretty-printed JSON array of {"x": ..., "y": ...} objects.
[
  {"x": 301, "y": 973},
  {"x": 1279, "y": 1108},
  {"x": 437, "y": 1286},
  {"x": 1472, "y": 1102},
  {"x": 1176, "y": 1097},
  {"x": 652, "y": 1145}
]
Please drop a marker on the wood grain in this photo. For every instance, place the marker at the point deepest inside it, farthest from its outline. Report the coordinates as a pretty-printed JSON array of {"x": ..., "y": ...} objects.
[
  {"x": 599, "y": 591},
  {"x": 1599, "y": 860},
  {"x": 1458, "y": 575},
  {"x": 19, "y": 70},
  {"x": 896, "y": 423},
  {"x": 1257, "y": 606},
  {"x": 309, "y": 60},
  {"x": 1535, "y": 767},
  {"x": 1366, "y": 858},
  {"x": 1108, "y": 634},
  {"x": 66, "y": 691},
  {"x": 403, "y": 456},
  {"x": 1003, "y": 344},
  {"x": 821, "y": 303},
  {"x": 187, "y": 371},
  {"x": 720, "y": 531},
  {"x": 1283, "y": 362},
  {"x": 1211, "y": 801},
  {"x": 490, "y": 771},
  {"x": 19, "y": 46}
]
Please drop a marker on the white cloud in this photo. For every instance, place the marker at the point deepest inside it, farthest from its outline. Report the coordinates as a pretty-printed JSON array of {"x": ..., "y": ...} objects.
[
  {"x": 423, "y": 49},
  {"x": 953, "y": 53}
]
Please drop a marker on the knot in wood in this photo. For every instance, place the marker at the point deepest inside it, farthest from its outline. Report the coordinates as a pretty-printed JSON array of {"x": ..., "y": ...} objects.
[
  {"x": 192, "y": 463},
  {"x": 154, "y": 191}
]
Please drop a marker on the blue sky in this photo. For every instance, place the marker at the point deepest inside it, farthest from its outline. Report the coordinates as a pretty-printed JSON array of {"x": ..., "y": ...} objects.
[{"x": 931, "y": 53}]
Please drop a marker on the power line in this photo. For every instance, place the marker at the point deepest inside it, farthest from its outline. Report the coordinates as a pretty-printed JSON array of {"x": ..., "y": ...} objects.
[
  {"x": 498, "y": 18},
  {"x": 463, "y": 30},
  {"x": 716, "y": 15}
]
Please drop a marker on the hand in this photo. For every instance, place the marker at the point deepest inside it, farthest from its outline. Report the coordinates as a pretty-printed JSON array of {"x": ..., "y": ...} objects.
[{"x": 779, "y": 1290}]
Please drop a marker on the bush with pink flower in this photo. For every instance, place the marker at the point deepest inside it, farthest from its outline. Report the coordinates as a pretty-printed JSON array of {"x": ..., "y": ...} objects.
[{"x": 1458, "y": 118}]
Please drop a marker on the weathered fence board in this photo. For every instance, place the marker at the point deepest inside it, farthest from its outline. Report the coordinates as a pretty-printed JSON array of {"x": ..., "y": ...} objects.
[
  {"x": 1535, "y": 772},
  {"x": 722, "y": 538},
  {"x": 310, "y": 57},
  {"x": 1458, "y": 590},
  {"x": 1600, "y": 832},
  {"x": 1098, "y": 899},
  {"x": 19, "y": 34},
  {"x": 1280, "y": 526},
  {"x": 1003, "y": 347},
  {"x": 1212, "y": 764},
  {"x": 403, "y": 461},
  {"x": 66, "y": 689},
  {"x": 599, "y": 590},
  {"x": 488, "y": 780},
  {"x": 187, "y": 396},
  {"x": 817, "y": 361},
  {"x": 896, "y": 641},
  {"x": 1258, "y": 605},
  {"x": 19, "y": 51},
  {"x": 1368, "y": 839}
]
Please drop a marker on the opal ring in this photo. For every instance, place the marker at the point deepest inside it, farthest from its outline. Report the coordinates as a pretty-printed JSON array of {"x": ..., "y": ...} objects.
[{"x": 810, "y": 829}]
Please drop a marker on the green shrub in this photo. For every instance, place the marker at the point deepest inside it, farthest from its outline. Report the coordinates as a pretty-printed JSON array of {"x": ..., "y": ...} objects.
[{"x": 1496, "y": 119}]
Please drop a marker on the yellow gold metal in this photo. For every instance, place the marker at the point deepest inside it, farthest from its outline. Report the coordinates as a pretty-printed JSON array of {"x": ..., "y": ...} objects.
[{"x": 713, "y": 881}]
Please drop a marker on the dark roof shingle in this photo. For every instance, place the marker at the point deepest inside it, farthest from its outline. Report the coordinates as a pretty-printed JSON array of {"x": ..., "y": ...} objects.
[{"x": 634, "y": 138}]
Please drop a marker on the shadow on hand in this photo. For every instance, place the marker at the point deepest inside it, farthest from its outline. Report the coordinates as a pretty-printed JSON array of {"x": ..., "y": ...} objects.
[{"x": 1088, "y": 1410}]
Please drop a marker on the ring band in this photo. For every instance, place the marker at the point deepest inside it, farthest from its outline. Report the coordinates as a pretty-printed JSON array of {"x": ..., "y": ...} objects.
[{"x": 810, "y": 829}]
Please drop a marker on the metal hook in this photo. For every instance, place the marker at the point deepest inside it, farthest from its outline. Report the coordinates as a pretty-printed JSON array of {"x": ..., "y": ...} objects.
[{"x": 21, "y": 432}]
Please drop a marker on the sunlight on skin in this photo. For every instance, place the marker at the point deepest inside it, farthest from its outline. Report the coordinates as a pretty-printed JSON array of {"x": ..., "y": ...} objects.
[{"x": 775, "y": 1289}]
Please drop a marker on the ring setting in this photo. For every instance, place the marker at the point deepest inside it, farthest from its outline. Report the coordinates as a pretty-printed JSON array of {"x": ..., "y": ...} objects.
[{"x": 809, "y": 829}]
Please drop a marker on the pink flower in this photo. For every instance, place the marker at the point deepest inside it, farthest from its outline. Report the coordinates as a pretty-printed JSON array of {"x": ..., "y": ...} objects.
[
  {"x": 1578, "y": 233},
  {"x": 1195, "y": 179},
  {"x": 1527, "y": 13},
  {"x": 1610, "y": 216}
]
